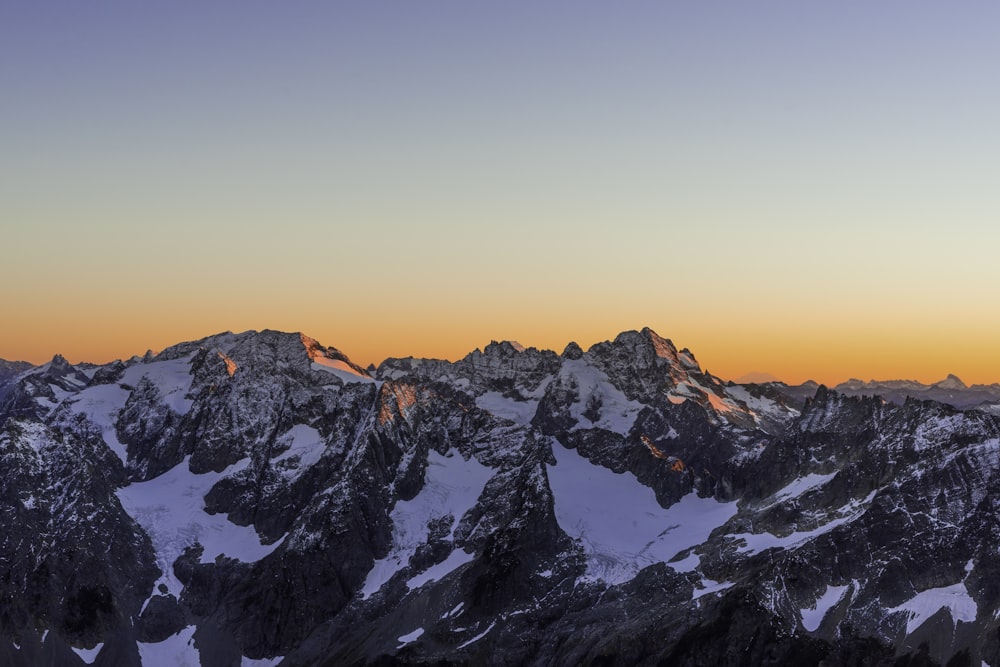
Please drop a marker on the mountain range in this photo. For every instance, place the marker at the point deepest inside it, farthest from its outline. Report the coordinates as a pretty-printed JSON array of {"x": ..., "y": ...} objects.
[
  {"x": 258, "y": 499},
  {"x": 950, "y": 390}
]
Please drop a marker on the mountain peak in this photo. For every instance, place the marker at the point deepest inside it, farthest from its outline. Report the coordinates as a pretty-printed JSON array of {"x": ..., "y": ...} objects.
[
  {"x": 572, "y": 351},
  {"x": 664, "y": 347},
  {"x": 330, "y": 358},
  {"x": 950, "y": 382},
  {"x": 503, "y": 347},
  {"x": 235, "y": 464},
  {"x": 59, "y": 362},
  {"x": 646, "y": 344}
]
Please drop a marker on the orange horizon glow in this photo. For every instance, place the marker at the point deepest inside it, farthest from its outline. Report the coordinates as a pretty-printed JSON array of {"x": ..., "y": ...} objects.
[
  {"x": 827, "y": 359},
  {"x": 802, "y": 189}
]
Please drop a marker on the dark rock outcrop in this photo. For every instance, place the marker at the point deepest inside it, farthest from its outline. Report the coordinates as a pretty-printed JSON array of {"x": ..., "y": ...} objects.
[{"x": 258, "y": 495}]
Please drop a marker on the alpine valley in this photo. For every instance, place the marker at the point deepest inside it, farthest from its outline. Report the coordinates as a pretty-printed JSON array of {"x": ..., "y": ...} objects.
[{"x": 258, "y": 499}]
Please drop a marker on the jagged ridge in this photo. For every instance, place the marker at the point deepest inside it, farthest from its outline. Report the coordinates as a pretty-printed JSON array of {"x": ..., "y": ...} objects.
[{"x": 260, "y": 496}]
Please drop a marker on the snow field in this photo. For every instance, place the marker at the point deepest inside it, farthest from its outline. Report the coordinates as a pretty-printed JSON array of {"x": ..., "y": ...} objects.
[
  {"x": 925, "y": 604},
  {"x": 617, "y": 413},
  {"x": 339, "y": 369},
  {"x": 620, "y": 523},
  {"x": 519, "y": 412},
  {"x": 171, "y": 378},
  {"x": 754, "y": 543},
  {"x": 452, "y": 485},
  {"x": 813, "y": 616},
  {"x": 171, "y": 509},
  {"x": 409, "y": 637}
]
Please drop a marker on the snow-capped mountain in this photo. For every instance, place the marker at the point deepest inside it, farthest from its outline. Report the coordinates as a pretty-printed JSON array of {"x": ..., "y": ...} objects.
[
  {"x": 11, "y": 369},
  {"x": 258, "y": 499},
  {"x": 950, "y": 390}
]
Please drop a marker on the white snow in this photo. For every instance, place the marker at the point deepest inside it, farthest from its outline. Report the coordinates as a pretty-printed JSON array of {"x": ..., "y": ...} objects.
[
  {"x": 718, "y": 403},
  {"x": 171, "y": 509},
  {"x": 89, "y": 655},
  {"x": 689, "y": 563},
  {"x": 478, "y": 637},
  {"x": 409, "y": 637},
  {"x": 452, "y": 485},
  {"x": 171, "y": 378},
  {"x": 617, "y": 413},
  {"x": 925, "y": 604},
  {"x": 175, "y": 651},
  {"x": 759, "y": 405},
  {"x": 339, "y": 369},
  {"x": 813, "y": 616},
  {"x": 455, "y": 559},
  {"x": 455, "y": 611},
  {"x": 519, "y": 412},
  {"x": 755, "y": 403},
  {"x": 33, "y": 435},
  {"x": 59, "y": 393},
  {"x": 618, "y": 520},
  {"x": 709, "y": 586},
  {"x": 757, "y": 542},
  {"x": 305, "y": 443},
  {"x": 101, "y": 404},
  {"x": 687, "y": 361},
  {"x": 933, "y": 432},
  {"x": 803, "y": 484}
]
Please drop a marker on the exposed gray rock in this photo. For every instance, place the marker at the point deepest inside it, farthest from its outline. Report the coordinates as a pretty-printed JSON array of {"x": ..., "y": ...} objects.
[{"x": 856, "y": 530}]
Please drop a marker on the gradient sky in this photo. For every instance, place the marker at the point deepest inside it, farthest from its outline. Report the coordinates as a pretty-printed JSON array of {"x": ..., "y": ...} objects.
[{"x": 807, "y": 189}]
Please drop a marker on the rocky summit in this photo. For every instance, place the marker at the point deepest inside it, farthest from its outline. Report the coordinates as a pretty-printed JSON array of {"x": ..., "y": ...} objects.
[{"x": 258, "y": 499}]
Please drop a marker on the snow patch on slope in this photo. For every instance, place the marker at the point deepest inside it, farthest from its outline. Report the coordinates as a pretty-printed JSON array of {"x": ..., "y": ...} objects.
[
  {"x": 171, "y": 509},
  {"x": 759, "y": 405},
  {"x": 756, "y": 542},
  {"x": 89, "y": 655},
  {"x": 925, "y": 604},
  {"x": 305, "y": 445},
  {"x": 339, "y": 369},
  {"x": 101, "y": 404},
  {"x": 620, "y": 523},
  {"x": 455, "y": 559},
  {"x": 477, "y": 637},
  {"x": 615, "y": 413},
  {"x": 174, "y": 651},
  {"x": 802, "y": 485},
  {"x": 409, "y": 637},
  {"x": 709, "y": 586},
  {"x": 813, "y": 616},
  {"x": 519, "y": 412},
  {"x": 171, "y": 378},
  {"x": 452, "y": 485}
]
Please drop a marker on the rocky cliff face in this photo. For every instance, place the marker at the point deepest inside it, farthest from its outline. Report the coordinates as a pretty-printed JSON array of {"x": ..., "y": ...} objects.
[{"x": 259, "y": 499}]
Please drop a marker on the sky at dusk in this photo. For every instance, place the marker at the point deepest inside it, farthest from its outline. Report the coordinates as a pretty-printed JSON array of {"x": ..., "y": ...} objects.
[{"x": 805, "y": 189}]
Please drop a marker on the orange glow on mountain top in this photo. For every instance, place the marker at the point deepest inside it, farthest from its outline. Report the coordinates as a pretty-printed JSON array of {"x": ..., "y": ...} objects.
[{"x": 793, "y": 355}]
